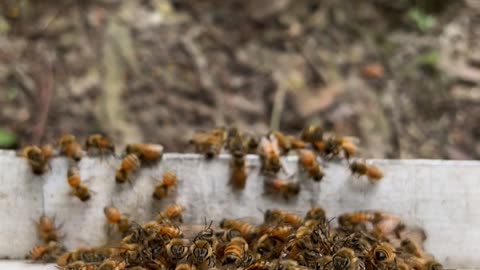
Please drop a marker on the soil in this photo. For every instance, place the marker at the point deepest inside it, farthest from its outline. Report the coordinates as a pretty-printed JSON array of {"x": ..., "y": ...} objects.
[{"x": 401, "y": 76}]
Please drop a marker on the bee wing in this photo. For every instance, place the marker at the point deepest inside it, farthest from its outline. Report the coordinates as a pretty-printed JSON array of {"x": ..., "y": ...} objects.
[{"x": 191, "y": 230}]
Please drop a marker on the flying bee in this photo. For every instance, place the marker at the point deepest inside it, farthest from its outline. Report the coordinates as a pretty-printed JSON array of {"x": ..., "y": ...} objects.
[
  {"x": 98, "y": 144},
  {"x": 47, "y": 230},
  {"x": 280, "y": 216},
  {"x": 147, "y": 153},
  {"x": 82, "y": 192},
  {"x": 286, "y": 189},
  {"x": 169, "y": 181},
  {"x": 312, "y": 134},
  {"x": 269, "y": 153},
  {"x": 37, "y": 158},
  {"x": 176, "y": 249},
  {"x": 172, "y": 213},
  {"x": 247, "y": 230},
  {"x": 308, "y": 161},
  {"x": 69, "y": 147},
  {"x": 130, "y": 164},
  {"x": 209, "y": 143},
  {"x": 345, "y": 259},
  {"x": 373, "y": 173},
  {"x": 46, "y": 252},
  {"x": 235, "y": 251},
  {"x": 238, "y": 178}
]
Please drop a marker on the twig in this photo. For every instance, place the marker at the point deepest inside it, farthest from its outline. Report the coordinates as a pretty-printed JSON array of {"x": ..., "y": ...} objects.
[
  {"x": 44, "y": 84},
  {"x": 278, "y": 102}
]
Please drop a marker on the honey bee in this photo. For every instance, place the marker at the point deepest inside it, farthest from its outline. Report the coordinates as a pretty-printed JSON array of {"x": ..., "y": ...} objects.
[
  {"x": 278, "y": 216},
  {"x": 251, "y": 143},
  {"x": 79, "y": 265},
  {"x": 260, "y": 265},
  {"x": 430, "y": 264},
  {"x": 201, "y": 253},
  {"x": 238, "y": 179},
  {"x": 176, "y": 249},
  {"x": 98, "y": 144},
  {"x": 284, "y": 143},
  {"x": 247, "y": 230},
  {"x": 312, "y": 134},
  {"x": 184, "y": 266},
  {"x": 209, "y": 143},
  {"x": 70, "y": 147},
  {"x": 47, "y": 230},
  {"x": 168, "y": 231},
  {"x": 308, "y": 160},
  {"x": 287, "y": 142},
  {"x": 345, "y": 259},
  {"x": 235, "y": 251},
  {"x": 235, "y": 144},
  {"x": 113, "y": 216},
  {"x": 333, "y": 146},
  {"x": 37, "y": 158},
  {"x": 269, "y": 153},
  {"x": 349, "y": 220},
  {"x": 73, "y": 176},
  {"x": 373, "y": 173},
  {"x": 285, "y": 188},
  {"x": 46, "y": 252},
  {"x": 317, "y": 214},
  {"x": 383, "y": 254},
  {"x": 129, "y": 165},
  {"x": 270, "y": 245},
  {"x": 110, "y": 264},
  {"x": 87, "y": 255},
  {"x": 82, "y": 192},
  {"x": 147, "y": 153},
  {"x": 173, "y": 213},
  {"x": 169, "y": 181},
  {"x": 412, "y": 248}
]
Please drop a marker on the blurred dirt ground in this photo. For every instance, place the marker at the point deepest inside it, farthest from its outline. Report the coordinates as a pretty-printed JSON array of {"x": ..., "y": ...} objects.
[{"x": 402, "y": 76}]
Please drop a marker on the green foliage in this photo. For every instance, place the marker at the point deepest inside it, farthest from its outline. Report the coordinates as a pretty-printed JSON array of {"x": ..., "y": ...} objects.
[
  {"x": 421, "y": 19},
  {"x": 429, "y": 59},
  {"x": 7, "y": 139}
]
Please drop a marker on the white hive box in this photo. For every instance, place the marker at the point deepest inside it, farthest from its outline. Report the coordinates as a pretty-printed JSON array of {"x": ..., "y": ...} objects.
[{"x": 443, "y": 197}]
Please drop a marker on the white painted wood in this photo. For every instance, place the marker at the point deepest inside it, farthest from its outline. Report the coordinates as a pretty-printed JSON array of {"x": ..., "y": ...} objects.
[{"x": 440, "y": 196}]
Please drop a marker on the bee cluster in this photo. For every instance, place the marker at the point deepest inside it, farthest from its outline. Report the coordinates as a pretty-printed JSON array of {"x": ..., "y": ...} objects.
[
  {"x": 285, "y": 240},
  {"x": 361, "y": 240}
]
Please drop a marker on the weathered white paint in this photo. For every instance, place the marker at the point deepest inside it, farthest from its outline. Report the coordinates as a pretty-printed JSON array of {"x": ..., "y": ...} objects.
[{"x": 440, "y": 196}]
